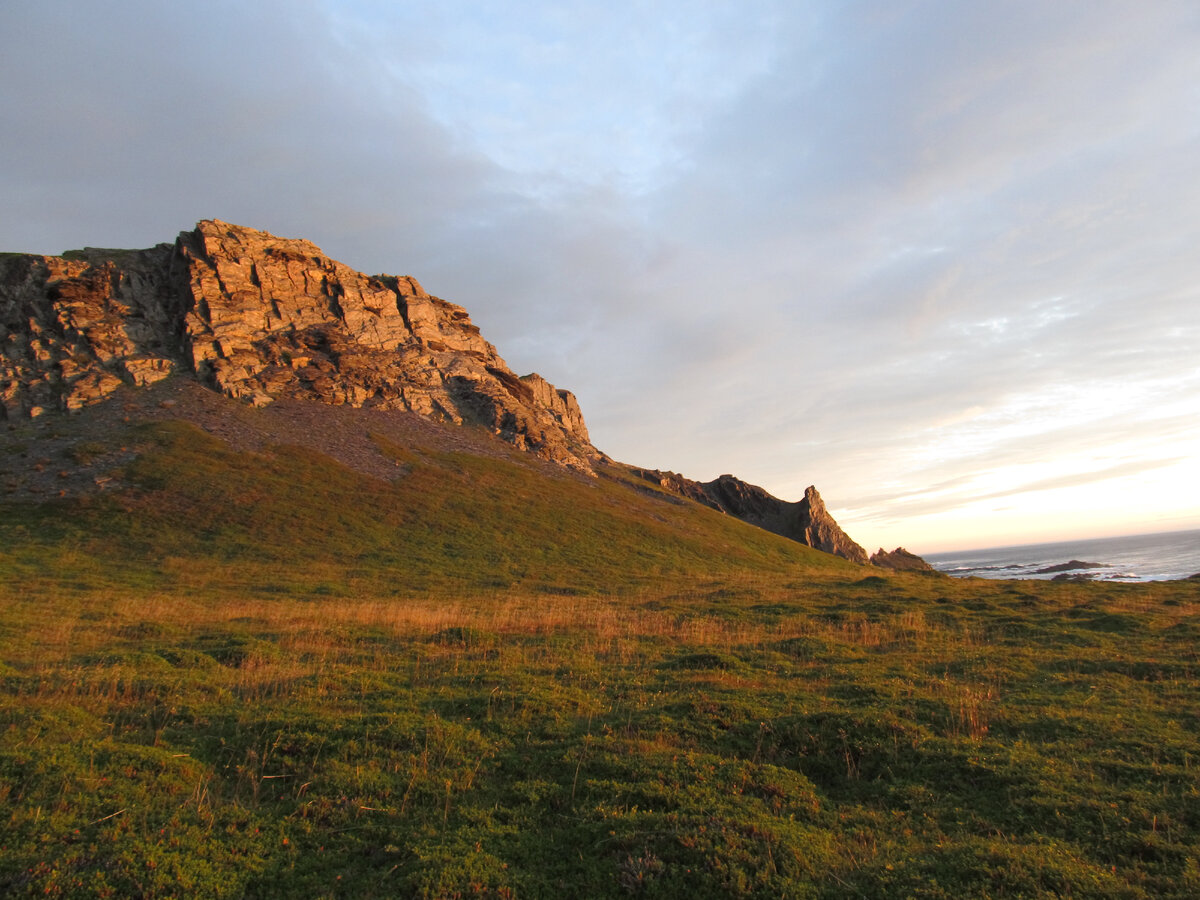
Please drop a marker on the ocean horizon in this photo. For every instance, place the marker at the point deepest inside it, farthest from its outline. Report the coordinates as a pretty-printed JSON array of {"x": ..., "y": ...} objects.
[{"x": 1165, "y": 556}]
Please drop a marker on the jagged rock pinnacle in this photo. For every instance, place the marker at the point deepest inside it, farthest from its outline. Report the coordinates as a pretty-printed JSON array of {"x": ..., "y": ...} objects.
[{"x": 806, "y": 521}]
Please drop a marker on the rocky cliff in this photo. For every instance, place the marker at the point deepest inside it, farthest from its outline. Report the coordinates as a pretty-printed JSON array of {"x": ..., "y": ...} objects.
[
  {"x": 900, "y": 560},
  {"x": 806, "y": 521},
  {"x": 262, "y": 318}
]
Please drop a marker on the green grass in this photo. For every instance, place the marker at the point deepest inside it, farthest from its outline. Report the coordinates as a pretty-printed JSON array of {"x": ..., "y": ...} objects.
[
  {"x": 476, "y": 681},
  {"x": 297, "y": 521}
]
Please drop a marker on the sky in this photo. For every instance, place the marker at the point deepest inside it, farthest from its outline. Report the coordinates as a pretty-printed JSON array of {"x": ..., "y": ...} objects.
[{"x": 939, "y": 259}]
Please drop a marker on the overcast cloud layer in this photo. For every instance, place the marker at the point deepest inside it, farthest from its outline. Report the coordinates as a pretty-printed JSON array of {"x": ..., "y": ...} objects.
[{"x": 938, "y": 258}]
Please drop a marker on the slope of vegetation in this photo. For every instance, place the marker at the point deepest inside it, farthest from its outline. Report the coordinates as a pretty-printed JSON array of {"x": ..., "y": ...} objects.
[
  {"x": 195, "y": 511},
  {"x": 268, "y": 676}
]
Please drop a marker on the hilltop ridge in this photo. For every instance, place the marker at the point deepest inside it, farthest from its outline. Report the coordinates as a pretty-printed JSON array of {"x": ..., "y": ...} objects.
[
  {"x": 806, "y": 521},
  {"x": 268, "y": 320}
]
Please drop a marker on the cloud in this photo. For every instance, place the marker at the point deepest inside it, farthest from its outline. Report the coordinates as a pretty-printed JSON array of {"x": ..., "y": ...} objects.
[
  {"x": 937, "y": 238},
  {"x": 881, "y": 247},
  {"x": 956, "y": 493},
  {"x": 144, "y": 117}
]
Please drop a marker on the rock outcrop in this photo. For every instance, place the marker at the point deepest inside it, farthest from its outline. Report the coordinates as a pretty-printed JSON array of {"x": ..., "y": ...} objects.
[
  {"x": 262, "y": 318},
  {"x": 900, "y": 560},
  {"x": 1069, "y": 567},
  {"x": 822, "y": 532},
  {"x": 806, "y": 521}
]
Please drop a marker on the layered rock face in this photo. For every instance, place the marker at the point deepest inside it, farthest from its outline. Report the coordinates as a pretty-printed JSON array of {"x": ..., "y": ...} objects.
[
  {"x": 75, "y": 329},
  {"x": 262, "y": 318},
  {"x": 806, "y": 521}
]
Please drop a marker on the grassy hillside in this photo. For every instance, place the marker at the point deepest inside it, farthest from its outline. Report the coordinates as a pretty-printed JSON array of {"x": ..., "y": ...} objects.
[
  {"x": 191, "y": 510},
  {"x": 271, "y": 675}
]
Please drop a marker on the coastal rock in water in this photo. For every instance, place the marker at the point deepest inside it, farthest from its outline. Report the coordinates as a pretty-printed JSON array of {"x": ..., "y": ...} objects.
[
  {"x": 901, "y": 560},
  {"x": 262, "y": 318},
  {"x": 1069, "y": 567},
  {"x": 806, "y": 521}
]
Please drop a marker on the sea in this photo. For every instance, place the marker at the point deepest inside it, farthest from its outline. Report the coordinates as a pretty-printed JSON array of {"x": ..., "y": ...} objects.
[{"x": 1142, "y": 557}]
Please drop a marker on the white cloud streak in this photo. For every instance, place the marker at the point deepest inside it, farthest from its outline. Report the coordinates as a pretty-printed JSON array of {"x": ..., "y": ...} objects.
[{"x": 937, "y": 258}]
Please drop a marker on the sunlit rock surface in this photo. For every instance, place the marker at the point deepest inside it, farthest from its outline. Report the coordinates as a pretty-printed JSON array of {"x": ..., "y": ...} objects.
[
  {"x": 806, "y": 521},
  {"x": 262, "y": 318}
]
